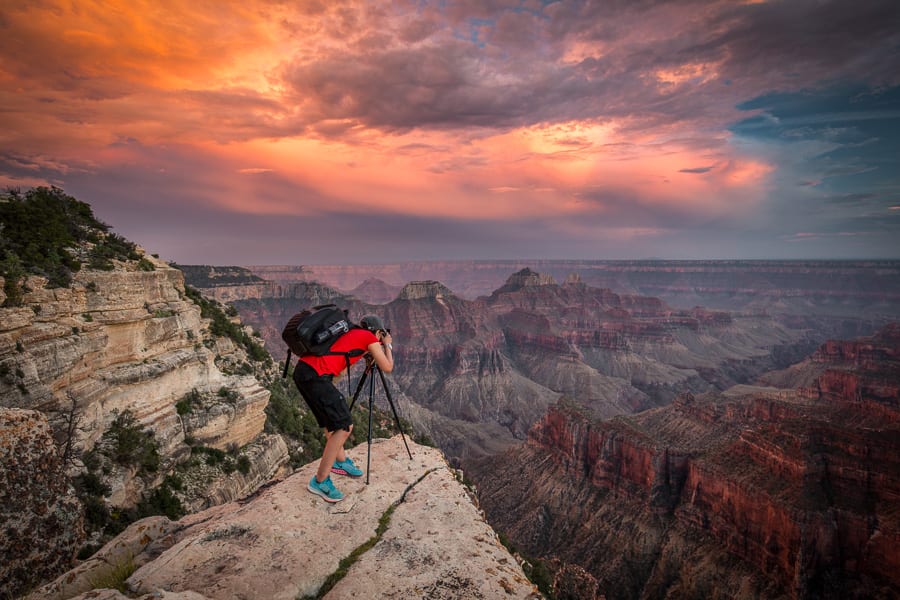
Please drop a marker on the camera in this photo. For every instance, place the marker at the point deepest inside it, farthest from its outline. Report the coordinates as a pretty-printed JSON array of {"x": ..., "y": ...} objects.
[{"x": 339, "y": 327}]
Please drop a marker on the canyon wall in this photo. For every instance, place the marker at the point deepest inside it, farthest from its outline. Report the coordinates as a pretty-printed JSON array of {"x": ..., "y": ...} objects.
[
  {"x": 119, "y": 352},
  {"x": 748, "y": 493},
  {"x": 476, "y": 374},
  {"x": 844, "y": 289}
]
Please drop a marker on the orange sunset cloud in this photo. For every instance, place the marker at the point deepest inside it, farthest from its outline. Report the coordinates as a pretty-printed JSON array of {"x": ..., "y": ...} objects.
[{"x": 588, "y": 119}]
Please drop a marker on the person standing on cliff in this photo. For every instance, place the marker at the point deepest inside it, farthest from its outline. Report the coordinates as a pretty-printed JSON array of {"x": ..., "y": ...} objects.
[{"x": 314, "y": 377}]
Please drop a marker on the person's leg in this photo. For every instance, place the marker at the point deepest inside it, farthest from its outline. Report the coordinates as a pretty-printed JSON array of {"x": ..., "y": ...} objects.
[
  {"x": 334, "y": 447},
  {"x": 342, "y": 454}
]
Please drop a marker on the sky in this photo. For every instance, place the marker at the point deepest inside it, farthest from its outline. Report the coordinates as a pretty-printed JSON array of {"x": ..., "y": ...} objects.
[{"x": 347, "y": 132}]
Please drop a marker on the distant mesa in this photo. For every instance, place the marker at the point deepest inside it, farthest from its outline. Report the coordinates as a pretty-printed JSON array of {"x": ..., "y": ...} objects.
[
  {"x": 416, "y": 290},
  {"x": 525, "y": 278},
  {"x": 376, "y": 291},
  {"x": 573, "y": 279},
  {"x": 208, "y": 276}
]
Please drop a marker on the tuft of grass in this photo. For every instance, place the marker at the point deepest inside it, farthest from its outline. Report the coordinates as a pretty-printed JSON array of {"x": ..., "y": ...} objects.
[
  {"x": 348, "y": 560},
  {"x": 115, "y": 578}
]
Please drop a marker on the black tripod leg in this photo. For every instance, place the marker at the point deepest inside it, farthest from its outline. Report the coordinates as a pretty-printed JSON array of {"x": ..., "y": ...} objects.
[
  {"x": 369, "y": 436},
  {"x": 362, "y": 380},
  {"x": 394, "y": 410}
]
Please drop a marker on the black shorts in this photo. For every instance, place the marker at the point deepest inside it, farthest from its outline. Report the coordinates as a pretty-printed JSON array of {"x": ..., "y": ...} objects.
[{"x": 325, "y": 401}]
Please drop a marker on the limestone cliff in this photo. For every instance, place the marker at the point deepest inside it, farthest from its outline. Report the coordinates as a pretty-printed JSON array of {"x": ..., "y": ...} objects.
[
  {"x": 128, "y": 354},
  {"x": 412, "y": 532}
]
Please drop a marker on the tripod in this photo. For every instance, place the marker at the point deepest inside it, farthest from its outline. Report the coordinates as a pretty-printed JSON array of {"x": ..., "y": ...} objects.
[{"x": 367, "y": 374}]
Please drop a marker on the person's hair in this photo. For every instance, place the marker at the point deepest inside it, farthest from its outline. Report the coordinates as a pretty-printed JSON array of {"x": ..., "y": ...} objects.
[{"x": 372, "y": 322}]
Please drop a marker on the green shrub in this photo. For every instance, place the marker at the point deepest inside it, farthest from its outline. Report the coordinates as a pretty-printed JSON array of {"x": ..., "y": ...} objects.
[
  {"x": 228, "y": 395},
  {"x": 213, "y": 456},
  {"x": 132, "y": 445},
  {"x": 39, "y": 228},
  {"x": 96, "y": 513},
  {"x": 38, "y": 231},
  {"x": 222, "y": 326},
  {"x": 161, "y": 501},
  {"x": 146, "y": 265},
  {"x": 111, "y": 247},
  {"x": 13, "y": 272},
  {"x": 183, "y": 407},
  {"x": 90, "y": 483},
  {"x": 243, "y": 464}
]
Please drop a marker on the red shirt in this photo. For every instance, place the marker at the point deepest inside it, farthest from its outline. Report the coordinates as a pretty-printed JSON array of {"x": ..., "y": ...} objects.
[{"x": 355, "y": 339}]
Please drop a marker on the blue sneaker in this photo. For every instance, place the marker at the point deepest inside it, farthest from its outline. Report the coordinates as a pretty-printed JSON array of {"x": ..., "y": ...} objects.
[
  {"x": 325, "y": 489},
  {"x": 346, "y": 467}
]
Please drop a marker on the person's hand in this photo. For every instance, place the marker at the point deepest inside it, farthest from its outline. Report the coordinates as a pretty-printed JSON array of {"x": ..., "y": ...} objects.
[{"x": 386, "y": 340}]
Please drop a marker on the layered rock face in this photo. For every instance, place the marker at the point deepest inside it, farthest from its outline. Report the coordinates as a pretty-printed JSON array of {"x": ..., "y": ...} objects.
[
  {"x": 754, "y": 492},
  {"x": 41, "y": 517},
  {"x": 413, "y": 532},
  {"x": 475, "y": 375},
  {"x": 123, "y": 341},
  {"x": 130, "y": 342}
]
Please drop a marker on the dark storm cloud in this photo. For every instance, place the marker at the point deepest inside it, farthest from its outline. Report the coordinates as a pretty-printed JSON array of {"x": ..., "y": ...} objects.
[{"x": 503, "y": 68}]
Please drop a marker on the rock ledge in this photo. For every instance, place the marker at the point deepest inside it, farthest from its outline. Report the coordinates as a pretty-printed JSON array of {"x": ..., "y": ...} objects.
[{"x": 283, "y": 542}]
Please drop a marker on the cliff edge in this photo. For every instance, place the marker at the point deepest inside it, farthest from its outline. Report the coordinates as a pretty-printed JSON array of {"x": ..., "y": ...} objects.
[{"x": 412, "y": 532}]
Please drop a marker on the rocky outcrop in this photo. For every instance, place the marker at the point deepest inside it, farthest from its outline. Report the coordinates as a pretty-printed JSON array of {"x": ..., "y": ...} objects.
[
  {"x": 413, "y": 532},
  {"x": 41, "y": 517},
  {"x": 418, "y": 290},
  {"x": 783, "y": 493},
  {"x": 123, "y": 341},
  {"x": 130, "y": 342},
  {"x": 207, "y": 486}
]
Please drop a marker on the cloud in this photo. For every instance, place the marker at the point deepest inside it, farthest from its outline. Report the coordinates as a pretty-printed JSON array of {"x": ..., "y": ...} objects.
[{"x": 585, "y": 121}]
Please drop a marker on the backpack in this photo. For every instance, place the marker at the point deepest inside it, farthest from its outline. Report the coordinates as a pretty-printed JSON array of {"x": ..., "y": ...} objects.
[{"x": 313, "y": 331}]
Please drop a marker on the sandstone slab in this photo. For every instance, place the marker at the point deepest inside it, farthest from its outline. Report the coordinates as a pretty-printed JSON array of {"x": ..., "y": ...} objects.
[
  {"x": 284, "y": 542},
  {"x": 436, "y": 546}
]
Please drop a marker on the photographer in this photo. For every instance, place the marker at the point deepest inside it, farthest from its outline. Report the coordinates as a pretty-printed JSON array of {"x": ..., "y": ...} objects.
[{"x": 314, "y": 377}]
